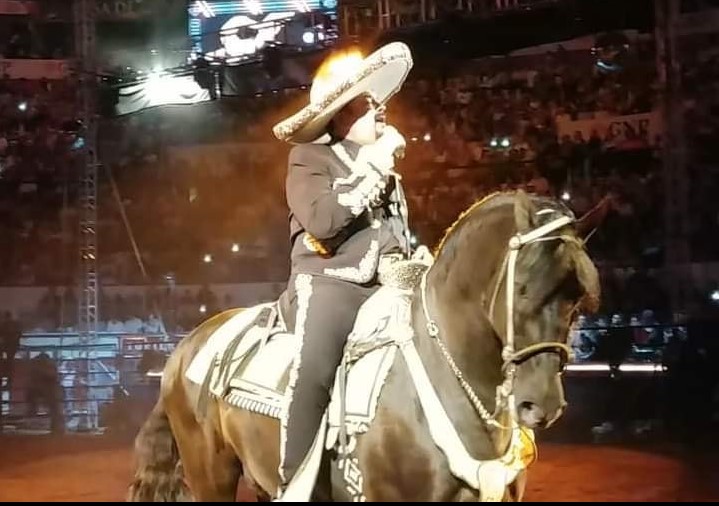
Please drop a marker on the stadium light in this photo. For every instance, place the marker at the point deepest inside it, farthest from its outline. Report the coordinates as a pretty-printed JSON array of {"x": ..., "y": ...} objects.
[
  {"x": 626, "y": 368},
  {"x": 254, "y": 7},
  {"x": 308, "y": 37}
]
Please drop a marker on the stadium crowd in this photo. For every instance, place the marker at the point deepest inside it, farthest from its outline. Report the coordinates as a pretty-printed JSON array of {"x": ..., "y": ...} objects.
[{"x": 199, "y": 191}]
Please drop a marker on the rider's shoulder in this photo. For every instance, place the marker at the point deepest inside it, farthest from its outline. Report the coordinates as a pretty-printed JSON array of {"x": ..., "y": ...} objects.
[{"x": 309, "y": 153}]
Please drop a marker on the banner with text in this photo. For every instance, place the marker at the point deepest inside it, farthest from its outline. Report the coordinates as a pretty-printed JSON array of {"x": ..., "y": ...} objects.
[
  {"x": 635, "y": 131},
  {"x": 134, "y": 10},
  {"x": 33, "y": 69}
]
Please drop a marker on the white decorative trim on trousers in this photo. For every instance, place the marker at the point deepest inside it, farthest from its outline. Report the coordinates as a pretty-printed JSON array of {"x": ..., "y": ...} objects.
[{"x": 303, "y": 291}]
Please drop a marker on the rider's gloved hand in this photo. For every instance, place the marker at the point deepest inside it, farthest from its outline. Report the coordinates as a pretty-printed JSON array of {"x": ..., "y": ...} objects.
[
  {"x": 382, "y": 153},
  {"x": 423, "y": 255},
  {"x": 392, "y": 141}
]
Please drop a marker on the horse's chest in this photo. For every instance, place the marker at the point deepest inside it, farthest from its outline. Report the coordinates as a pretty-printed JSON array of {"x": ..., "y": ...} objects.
[
  {"x": 397, "y": 458},
  {"x": 408, "y": 473},
  {"x": 399, "y": 464}
]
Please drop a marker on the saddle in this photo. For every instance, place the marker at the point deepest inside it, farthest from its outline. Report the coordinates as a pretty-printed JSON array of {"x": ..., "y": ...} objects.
[{"x": 246, "y": 362}]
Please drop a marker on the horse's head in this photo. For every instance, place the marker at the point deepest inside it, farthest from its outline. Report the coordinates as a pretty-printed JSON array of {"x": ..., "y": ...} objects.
[
  {"x": 508, "y": 279},
  {"x": 553, "y": 278}
]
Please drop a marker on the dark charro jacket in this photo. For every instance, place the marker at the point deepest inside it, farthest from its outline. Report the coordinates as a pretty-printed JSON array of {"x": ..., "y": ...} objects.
[{"x": 342, "y": 222}]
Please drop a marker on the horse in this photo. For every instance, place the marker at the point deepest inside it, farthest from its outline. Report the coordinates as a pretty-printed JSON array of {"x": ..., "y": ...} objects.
[{"x": 493, "y": 366}]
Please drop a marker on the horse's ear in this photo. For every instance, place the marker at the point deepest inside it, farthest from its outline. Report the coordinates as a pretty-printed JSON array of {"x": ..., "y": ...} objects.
[
  {"x": 594, "y": 218},
  {"x": 523, "y": 212}
]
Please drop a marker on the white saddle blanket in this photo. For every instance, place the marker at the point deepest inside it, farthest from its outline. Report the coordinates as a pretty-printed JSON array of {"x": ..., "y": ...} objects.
[
  {"x": 261, "y": 363},
  {"x": 220, "y": 340}
]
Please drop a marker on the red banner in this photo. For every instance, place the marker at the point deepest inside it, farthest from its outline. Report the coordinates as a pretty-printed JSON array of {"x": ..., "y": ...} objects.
[
  {"x": 635, "y": 131},
  {"x": 17, "y": 7},
  {"x": 34, "y": 69}
]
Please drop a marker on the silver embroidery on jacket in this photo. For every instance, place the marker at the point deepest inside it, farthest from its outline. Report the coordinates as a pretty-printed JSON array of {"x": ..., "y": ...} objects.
[{"x": 364, "y": 271}]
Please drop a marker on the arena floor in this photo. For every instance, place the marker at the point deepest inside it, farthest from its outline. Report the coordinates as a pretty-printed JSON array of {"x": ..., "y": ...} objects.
[{"x": 98, "y": 469}]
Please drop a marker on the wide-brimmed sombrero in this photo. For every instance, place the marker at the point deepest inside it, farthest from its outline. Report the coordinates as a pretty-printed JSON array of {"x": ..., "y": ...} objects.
[{"x": 339, "y": 80}]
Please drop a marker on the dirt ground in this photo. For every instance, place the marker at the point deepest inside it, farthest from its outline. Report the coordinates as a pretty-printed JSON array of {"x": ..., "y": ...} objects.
[{"x": 98, "y": 469}]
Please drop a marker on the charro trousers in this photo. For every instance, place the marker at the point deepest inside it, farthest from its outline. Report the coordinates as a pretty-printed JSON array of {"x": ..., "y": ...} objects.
[{"x": 324, "y": 311}]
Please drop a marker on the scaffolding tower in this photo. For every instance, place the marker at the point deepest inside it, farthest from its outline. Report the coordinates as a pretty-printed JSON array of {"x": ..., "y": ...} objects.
[
  {"x": 85, "y": 43},
  {"x": 84, "y": 28}
]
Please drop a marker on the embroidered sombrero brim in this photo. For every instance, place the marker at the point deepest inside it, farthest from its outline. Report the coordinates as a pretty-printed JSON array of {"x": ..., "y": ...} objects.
[{"x": 382, "y": 74}]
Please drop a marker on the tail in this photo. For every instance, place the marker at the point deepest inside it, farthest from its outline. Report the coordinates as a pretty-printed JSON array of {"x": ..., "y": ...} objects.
[{"x": 158, "y": 475}]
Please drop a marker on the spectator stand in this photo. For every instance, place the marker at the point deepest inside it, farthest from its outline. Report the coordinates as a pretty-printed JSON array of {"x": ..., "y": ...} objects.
[{"x": 49, "y": 391}]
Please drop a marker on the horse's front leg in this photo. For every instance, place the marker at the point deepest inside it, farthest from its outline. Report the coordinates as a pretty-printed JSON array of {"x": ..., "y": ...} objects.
[{"x": 515, "y": 491}]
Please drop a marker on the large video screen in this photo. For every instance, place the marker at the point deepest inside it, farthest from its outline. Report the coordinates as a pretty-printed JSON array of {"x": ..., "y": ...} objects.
[{"x": 237, "y": 29}]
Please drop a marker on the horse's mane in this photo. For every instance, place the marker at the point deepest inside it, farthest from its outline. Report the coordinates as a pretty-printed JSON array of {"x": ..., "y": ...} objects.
[
  {"x": 460, "y": 219},
  {"x": 585, "y": 269}
]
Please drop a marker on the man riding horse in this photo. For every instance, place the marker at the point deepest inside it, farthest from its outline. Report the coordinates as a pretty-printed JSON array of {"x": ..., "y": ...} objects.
[
  {"x": 467, "y": 357},
  {"x": 348, "y": 217}
]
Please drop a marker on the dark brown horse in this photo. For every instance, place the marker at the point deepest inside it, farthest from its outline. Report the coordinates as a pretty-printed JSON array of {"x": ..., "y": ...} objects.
[{"x": 398, "y": 458}]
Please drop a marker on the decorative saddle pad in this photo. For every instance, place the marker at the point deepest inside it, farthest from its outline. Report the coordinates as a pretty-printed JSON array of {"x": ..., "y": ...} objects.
[{"x": 247, "y": 363}]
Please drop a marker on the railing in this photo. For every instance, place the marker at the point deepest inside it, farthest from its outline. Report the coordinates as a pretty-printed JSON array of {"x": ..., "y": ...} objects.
[
  {"x": 112, "y": 375},
  {"x": 633, "y": 344},
  {"x": 72, "y": 382}
]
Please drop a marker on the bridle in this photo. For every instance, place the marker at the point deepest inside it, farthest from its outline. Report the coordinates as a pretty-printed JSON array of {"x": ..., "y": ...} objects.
[{"x": 511, "y": 357}]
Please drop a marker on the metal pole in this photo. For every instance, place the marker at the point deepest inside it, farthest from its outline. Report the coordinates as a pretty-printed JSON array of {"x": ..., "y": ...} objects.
[{"x": 675, "y": 172}]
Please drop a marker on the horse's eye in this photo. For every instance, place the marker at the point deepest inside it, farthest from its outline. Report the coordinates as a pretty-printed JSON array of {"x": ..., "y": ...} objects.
[{"x": 523, "y": 291}]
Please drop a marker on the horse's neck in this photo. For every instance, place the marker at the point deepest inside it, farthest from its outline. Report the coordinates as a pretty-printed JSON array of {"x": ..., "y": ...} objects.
[
  {"x": 460, "y": 286},
  {"x": 482, "y": 441},
  {"x": 458, "y": 289}
]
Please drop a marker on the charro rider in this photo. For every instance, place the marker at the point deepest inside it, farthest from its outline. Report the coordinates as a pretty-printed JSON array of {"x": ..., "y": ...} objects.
[{"x": 348, "y": 219}]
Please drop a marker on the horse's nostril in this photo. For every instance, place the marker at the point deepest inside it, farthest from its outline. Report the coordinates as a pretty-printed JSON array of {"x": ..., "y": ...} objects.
[
  {"x": 526, "y": 405},
  {"x": 532, "y": 415}
]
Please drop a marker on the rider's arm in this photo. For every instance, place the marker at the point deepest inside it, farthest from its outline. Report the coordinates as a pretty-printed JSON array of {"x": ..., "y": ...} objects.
[{"x": 321, "y": 209}]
